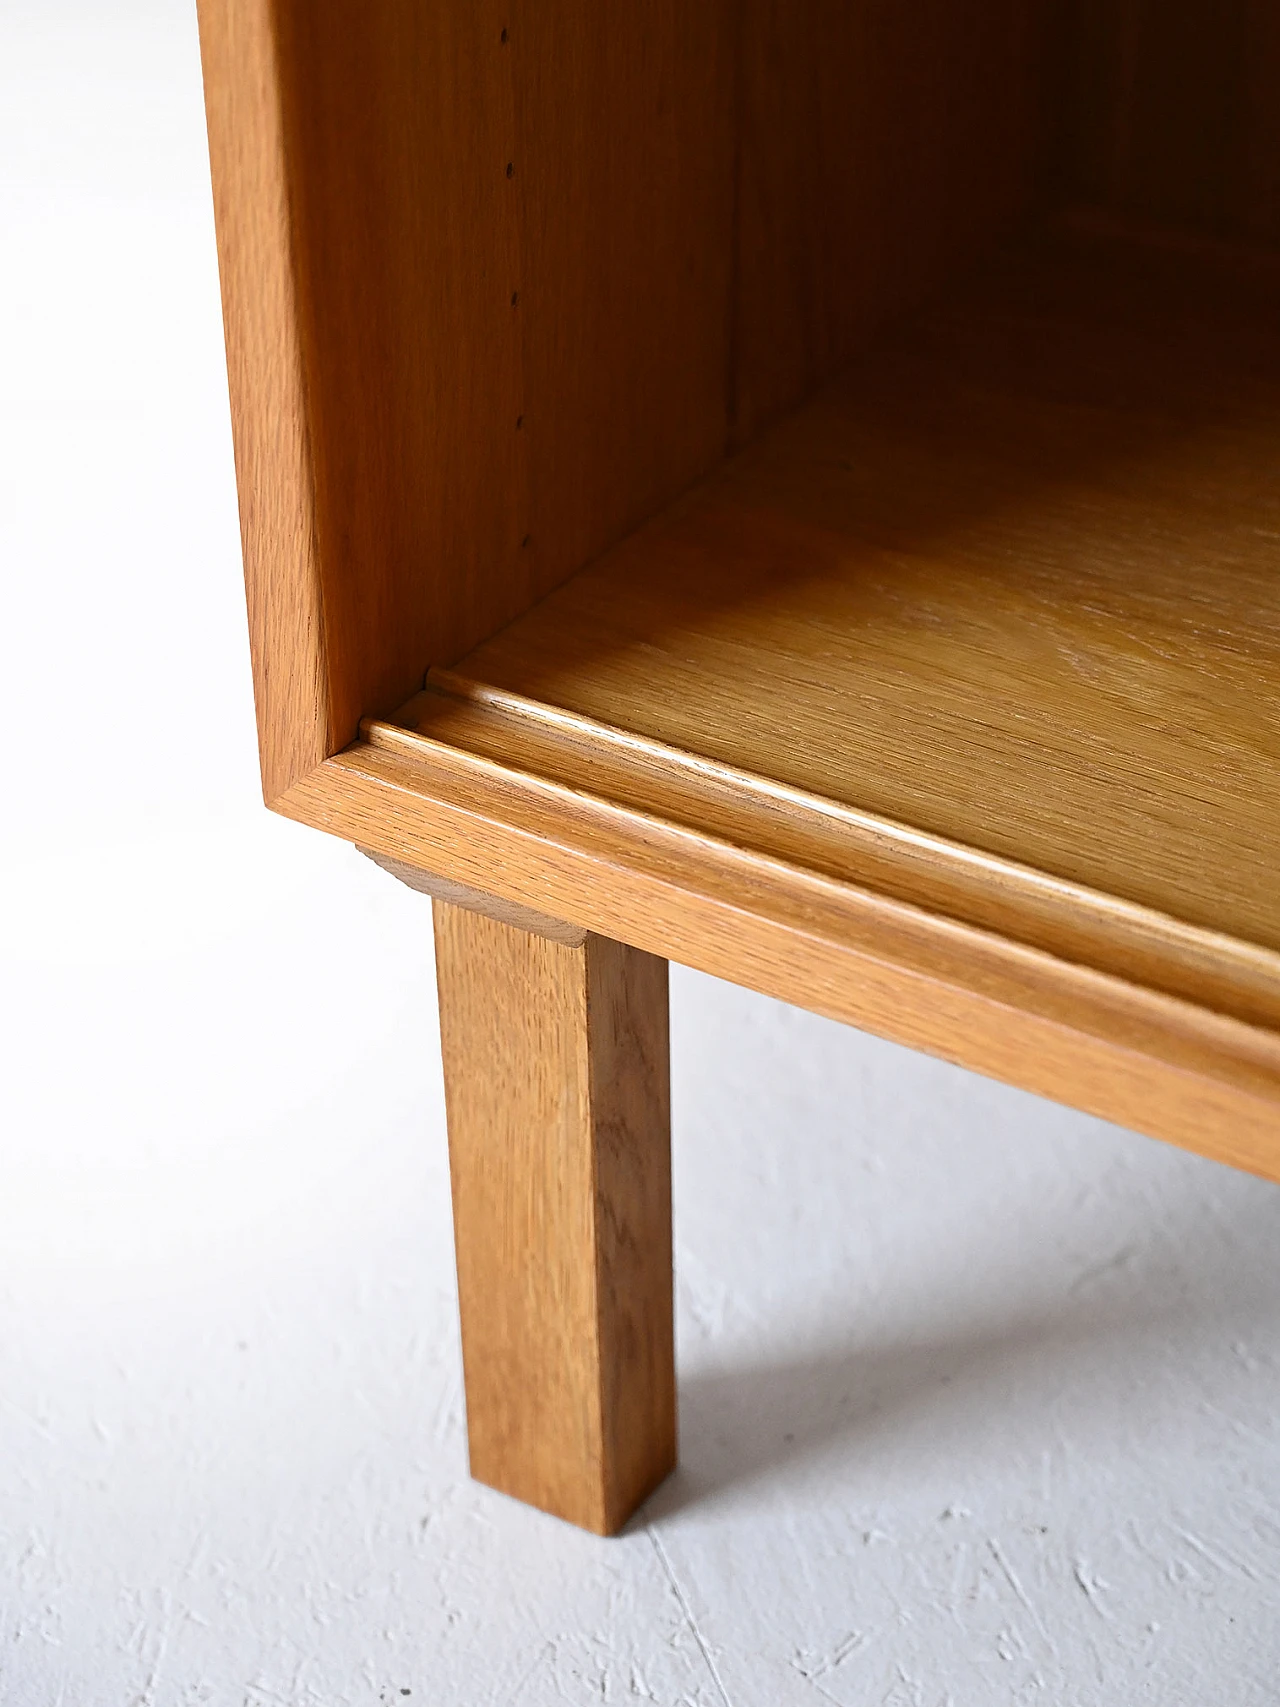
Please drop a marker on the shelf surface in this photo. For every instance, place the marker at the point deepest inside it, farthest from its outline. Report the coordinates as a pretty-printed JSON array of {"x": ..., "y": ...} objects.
[{"x": 992, "y": 626}]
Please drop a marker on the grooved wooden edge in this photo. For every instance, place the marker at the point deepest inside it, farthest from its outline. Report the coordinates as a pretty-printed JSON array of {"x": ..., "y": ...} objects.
[
  {"x": 1146, "y": 1060},
  {"x": 823, "y": 835}
]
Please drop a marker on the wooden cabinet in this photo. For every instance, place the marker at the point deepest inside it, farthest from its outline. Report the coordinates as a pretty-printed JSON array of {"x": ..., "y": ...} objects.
[{"x": 789, "y": 488}]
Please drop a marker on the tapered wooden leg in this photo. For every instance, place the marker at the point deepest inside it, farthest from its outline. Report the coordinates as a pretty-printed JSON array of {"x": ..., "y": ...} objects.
[{"x": 556, "y": 1088}]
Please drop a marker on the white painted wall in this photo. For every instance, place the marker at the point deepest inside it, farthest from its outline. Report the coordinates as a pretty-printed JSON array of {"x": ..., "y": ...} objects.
[{"x": 980, "y": 1398}]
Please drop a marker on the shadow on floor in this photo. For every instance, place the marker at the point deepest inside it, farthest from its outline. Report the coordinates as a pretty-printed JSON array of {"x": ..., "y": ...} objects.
[{"x": 1092, "y": 1353}]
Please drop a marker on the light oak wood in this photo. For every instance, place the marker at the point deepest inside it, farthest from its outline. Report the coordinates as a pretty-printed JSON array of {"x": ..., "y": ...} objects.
[
  {"x": 1046, "y": 642},
  {"x": 265, "y": 371},
  {"x": 950, "y": 707},
  {"x": 824, "y": 835},
  {"x": 1151, "y": 1062},
  {"x": 501, "y": 280},
  {"x": 1014, "y": 583},
  {"x": 556, "y": 1084},
  {"x": 476, "y": 266}
]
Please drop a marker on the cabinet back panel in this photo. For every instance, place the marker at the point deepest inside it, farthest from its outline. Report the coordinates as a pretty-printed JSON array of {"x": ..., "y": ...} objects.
[
  {"x": 1172, "y": 111},
  {"x": 881, "y": 146}
]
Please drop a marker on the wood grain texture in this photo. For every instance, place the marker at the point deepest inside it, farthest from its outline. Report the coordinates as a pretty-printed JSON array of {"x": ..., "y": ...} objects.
[
  {"x": 270, "y": 427},
  {"x": 623, "y": 122},
  {"x": 500, "y": 239},
  {"x": 501, "y": 280},
  {"x": 1171, "y": 110},
  {"x": 1014, "y": 583},
  {"x": 1148, "y": 1061},
  {"x": 1021, "y": 567},
  {"x": 950, "y": 707},
  {"x": 399, "y": 130},
  {"x": 880, "y": 148},
  {"x": 824, "y": 835},
  {"x": 556, "y": 1084}
]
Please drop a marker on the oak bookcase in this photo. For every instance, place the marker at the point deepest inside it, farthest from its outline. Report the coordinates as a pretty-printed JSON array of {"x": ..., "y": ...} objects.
[{"x": 787, "y": 486}]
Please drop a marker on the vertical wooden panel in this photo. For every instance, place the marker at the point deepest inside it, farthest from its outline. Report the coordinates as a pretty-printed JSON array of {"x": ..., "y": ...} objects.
[
  {"x": 532, "y": 267},
  {"x": 881, "y": 146},
  {"x": 1173, "y": 111},
  {"x": 512, "y": 255},
  {"x": 556, "y": 1082},
  {"x": 265, "y": 369},
  {"x": 624, "y": 116},
  {"x": 400, "y": 132},
  {"x": 1256, "y": 191}
]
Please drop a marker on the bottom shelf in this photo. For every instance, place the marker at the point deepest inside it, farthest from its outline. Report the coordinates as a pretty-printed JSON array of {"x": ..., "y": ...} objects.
[{"x": 990, "y": 629}]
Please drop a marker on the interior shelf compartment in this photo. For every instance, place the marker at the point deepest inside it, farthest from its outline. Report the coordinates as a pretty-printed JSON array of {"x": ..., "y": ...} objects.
[{"x": 992, "y": 626}]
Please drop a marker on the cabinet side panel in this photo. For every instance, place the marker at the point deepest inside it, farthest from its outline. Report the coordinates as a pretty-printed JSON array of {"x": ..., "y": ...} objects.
[
  {"x": 264, "y": 366},
  {"x": 881, "y": 147},
  {"x": 514, "y": 262},
  {"x": 399, "y": 131},
  {"x": 542, "y": 264}
]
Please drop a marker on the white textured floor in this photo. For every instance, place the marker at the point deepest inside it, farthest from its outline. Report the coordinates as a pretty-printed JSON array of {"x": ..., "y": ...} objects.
[{"x": 980, "y": 1399}]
